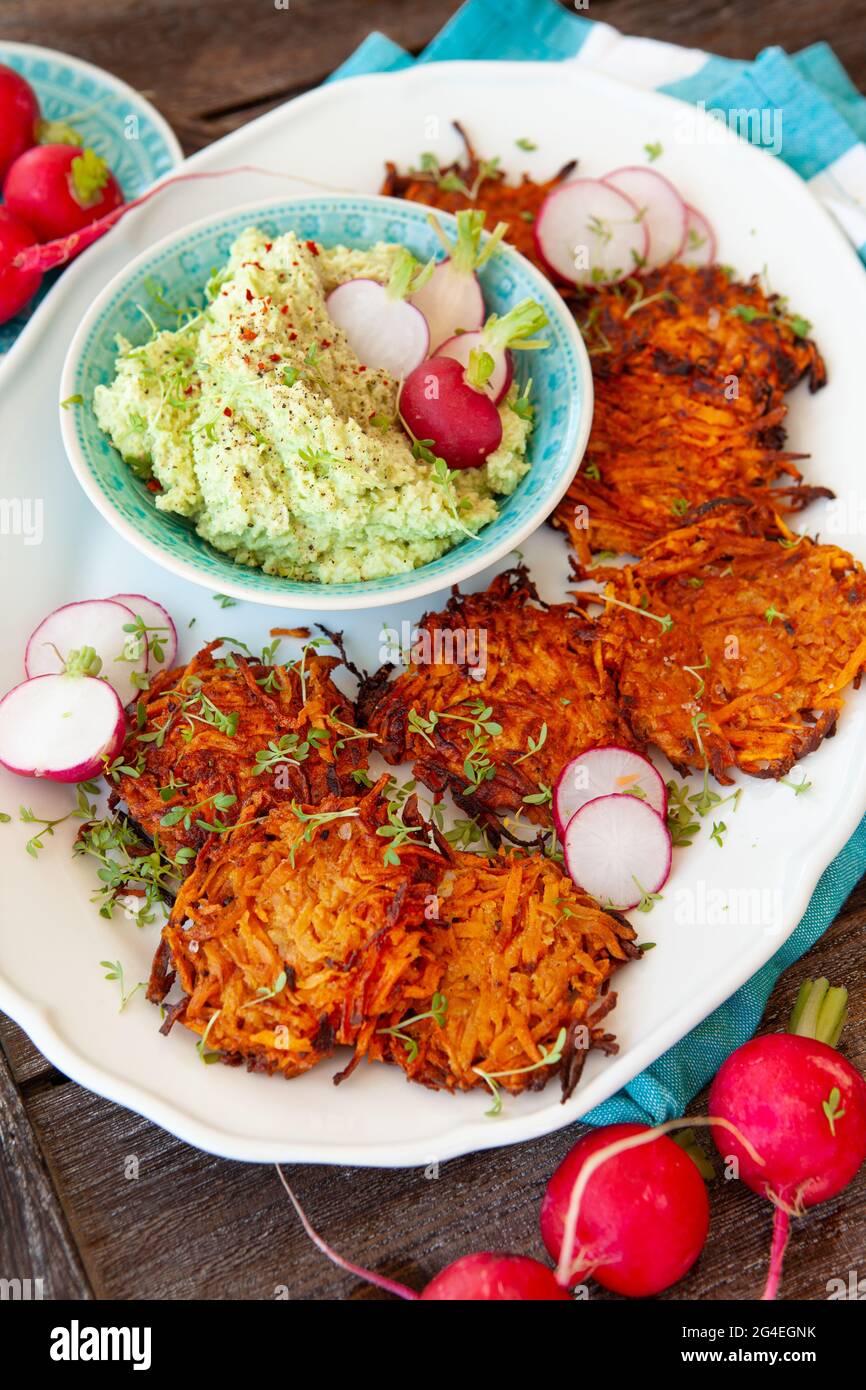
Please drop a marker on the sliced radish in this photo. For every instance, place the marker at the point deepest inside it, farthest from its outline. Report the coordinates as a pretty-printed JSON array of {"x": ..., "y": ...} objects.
[
  {"x": 485, "y": 354},
  {"x": 618, "y": 849},
  {"x": 606, "y": 771},
  {"x": 159, "y": 629},
  {"x": 457, "y": 422},
  {"x": 64, "y": 728},
  {"x": 95, "y": 624},
  {"x": 384, "y": 330},
  {"x": 452, "y": 299},
  {"x": 663, "y": 211},
  {"x": 699, "y": 247},
  {"x": 589, "y": 233}
]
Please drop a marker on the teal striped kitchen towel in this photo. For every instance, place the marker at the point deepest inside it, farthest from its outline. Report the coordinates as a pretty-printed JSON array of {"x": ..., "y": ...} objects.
[{"x": 824, "y": 125}]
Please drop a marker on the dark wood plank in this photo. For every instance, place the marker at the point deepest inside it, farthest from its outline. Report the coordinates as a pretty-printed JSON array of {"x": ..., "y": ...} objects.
[
  {"x": 35, "y": 1241},
  {"x": 25, "y": 1061}
]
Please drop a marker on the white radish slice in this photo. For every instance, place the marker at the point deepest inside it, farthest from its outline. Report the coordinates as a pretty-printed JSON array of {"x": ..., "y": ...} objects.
[
  {"x": 385, "y": 333},
  {"x": 96, "y": 623},
  {"x": 617, "y": 849},
  {"x": 699, "y": 247},
  {"x": 589, "y": 233},
  {"x": 607, "y": 771},
  {"x": 464, "y": 344},
  {"x": 161, "y": 632},
  {"x": 64, "y": 728},
  {"x": 663, "y": 211},
  {"x": 451, "y": 299}
]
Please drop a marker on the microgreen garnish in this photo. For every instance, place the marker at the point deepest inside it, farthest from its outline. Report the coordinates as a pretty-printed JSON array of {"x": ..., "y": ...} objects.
[
  {"x": 224, "y": 601},
  {"x": 653, "y": 149},
  {"x": 522, "y": 405},
  {"x": 437, "y": 1011},
  {"x": 534, "y": 745},
  {"x": 647, "y": 899},
  {"x": 201, "y": 1045},
  {"x": 798, "y": 788},
  {"x": 221, "y": 801},
  {"x": 524, "y": 143},
  {"x": 150, "y": 876},
  {"x": 717, "y": 832},
  {"x": 263, "y": 992},
  {"x": 114, "y": 971},
  {"x": 314, "y": 820},
  {"x": 398, "y": 834},
  {"x": 539, "y": 798},
  {"x": 547, "y": 1059},
  {"x": 665, "y": 620},
  {"x": 832, "y": 1110},
  {"x": 772, "y": 613},
  {"x": 289, "y": 748},
  {"x": 83, "y": 810},
  {"x": 693, "y": 671},
  {"x": 71, "y": 400},
  {"x": 680, "y": 506}
]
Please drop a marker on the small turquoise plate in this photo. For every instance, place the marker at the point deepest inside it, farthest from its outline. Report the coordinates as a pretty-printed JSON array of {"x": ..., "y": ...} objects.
[{"x": 182, "y": 263}]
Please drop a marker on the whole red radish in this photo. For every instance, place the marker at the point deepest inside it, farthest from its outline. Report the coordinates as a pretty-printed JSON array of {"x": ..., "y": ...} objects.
[
  {"x": 803, "y": 1108},
  {"x": 491, "y": 1277},
  {"x": 17, "y": 287},
  {"x": 643, "y": 1217},
  {"x": 19, "y": 116},
  {"x": 459, "y": 422},
  {"x": 59, "y": 189}
]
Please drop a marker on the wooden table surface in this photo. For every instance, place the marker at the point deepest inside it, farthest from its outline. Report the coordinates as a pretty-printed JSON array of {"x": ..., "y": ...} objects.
[{"x": 192, "y": 1226}]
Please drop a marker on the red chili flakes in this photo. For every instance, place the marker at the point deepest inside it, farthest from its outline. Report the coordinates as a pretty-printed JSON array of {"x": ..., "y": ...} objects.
[
  {"x": 275, "y": 357},
  {"x": 260, "y": 367},
  {"x": 284, "y": 308},
  {"x": 268, "y": 245},
  {"x": 249, "y": 296},
  {"x": 187, "y": 391},
  {"x": 361, "y": 369},
  {"x": 325, "y": 343},
  {"x": 227, "y": 412},
  {"x": 153, "y": 485},
  {"x": 249, "y": 335},
  {"x": 292, "y": 337},
  {"x": 312, "y": 248}
]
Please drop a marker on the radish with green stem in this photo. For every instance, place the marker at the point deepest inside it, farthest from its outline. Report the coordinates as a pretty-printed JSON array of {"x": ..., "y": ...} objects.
[
  {"x": 802, "y": 1106},
  {"x": 60, "y": 189},
  {"x": 66, "y": 728},
  {"x": 100, "y": 624},
  {"x": 484, "y": 1277},
  {"x": 451, "y": 299},
  {"x": 17, "y": 286},
  {"x": 440, "y": 406},
  {"x": 486, "y": 353},
  {"x": 384, "y": 328}
]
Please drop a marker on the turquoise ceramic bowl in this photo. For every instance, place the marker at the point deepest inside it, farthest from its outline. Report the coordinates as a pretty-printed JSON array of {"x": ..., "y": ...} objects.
[{"x": 182, "y": 263}]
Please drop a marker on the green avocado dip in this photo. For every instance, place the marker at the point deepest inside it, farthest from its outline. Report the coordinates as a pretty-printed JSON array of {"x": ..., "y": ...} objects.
[{"x": 258, "y": 423}]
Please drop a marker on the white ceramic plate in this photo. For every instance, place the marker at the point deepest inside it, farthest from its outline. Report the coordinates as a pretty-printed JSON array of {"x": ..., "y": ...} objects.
[{"x": 52, "y": 939}]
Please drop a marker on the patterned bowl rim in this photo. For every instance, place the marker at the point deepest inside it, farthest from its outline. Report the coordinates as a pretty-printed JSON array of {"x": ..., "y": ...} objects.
[{"x": 320, "y": 596}]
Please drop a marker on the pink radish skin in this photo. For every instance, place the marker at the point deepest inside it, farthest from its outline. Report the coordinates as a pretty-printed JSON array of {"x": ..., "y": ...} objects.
[
  {"x": 64, "y": 728},
  {"x": 590, "y": 214},
  {"x": 19, "y": 116},
  {"x": 606, "y": 771},
  {"x": 618, "y": 848},
  {"x": 644, "y": 1217},
  {"x": 96, "y": 623},
  {"x": 485, "y": 355},
  {"x": 387, "y": 334},
  {"x": 699, "y": 247},
  {"x": 663, "y": 211},
  {"x": 17, "y": 287},
  {"x": 43, "y": 188},
  {"x": 488, "y": 1277},
  {"x": 451, "y": 300},
  {"x": 775, "y": 1089},
  {"x": 161, "y": 631},
  {"x": 437, "y": 403},
  {"x": 484, "y": 1277}
]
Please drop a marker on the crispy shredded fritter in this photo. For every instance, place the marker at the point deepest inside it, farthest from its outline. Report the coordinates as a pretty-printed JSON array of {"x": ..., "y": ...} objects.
[
  {"x": 690, "y": 372},
  {"x": 519, "y": 953},
  {"x": 200, "y": 726},
  {"x": 765, "y": 634},
  {"x": 542, "y": 688},
  {"x": 477, "y": 183},
  {"x": 292, "y": 934}
]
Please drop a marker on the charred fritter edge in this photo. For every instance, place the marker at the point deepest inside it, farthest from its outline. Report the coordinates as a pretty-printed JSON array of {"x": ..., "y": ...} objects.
[
  {"x": 543, "y": 687},
  {"x": 519, "y": 954},
  {"x": 294, "y": 934},
  {"x": 758, "y": 639},
  {"x": 198, "y": 731}
]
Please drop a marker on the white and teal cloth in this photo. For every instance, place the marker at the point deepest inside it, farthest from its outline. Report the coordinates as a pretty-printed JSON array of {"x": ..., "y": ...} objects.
[{"x": 823, "y": 119}]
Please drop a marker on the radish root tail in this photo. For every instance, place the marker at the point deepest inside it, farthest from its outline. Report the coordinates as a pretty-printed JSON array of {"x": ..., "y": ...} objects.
[{"x": 781, "y": 1231}]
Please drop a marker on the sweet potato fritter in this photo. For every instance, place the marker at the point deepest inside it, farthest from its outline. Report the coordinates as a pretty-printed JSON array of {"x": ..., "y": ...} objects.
[
  {"x": 690, "y": 372},
  {"x": 200, "y": 727},
  {"x": 292, "y": 934},
  {"x": 519, "y": 953},
  {"x": 477, "y": 183},
  {"x": 496, "y": 742},
  {"x": 765, "y": 635}
]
